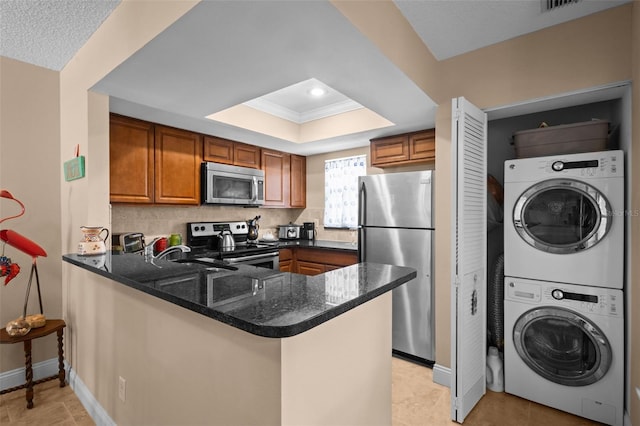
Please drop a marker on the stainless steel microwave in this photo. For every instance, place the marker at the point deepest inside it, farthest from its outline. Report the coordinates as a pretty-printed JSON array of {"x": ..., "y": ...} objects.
[{"x": 224, "y": 184}]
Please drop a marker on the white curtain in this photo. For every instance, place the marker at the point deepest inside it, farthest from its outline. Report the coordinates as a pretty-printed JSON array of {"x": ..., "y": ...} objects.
[{"x": 341, "y": 191}]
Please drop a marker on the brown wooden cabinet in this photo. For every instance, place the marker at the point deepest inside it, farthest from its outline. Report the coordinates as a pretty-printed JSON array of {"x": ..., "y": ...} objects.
[
  {"x": 177, "y": 166},
  {"x": 408, "y": 148},
  {"x": 285, "y": 177},
  {"x": 310, "y": 268},
  {"x": 286, "y": 260},
  {"x": 276, "y": 166},
  {"x": 131, "y": 168},
  {"x": 130, "y": 160},
  {"x": 298, "y": 178},
  {"x": 150, "y": 163},
  {"x": 314, "y": 261},
  {"x": 225, "y": 151}
]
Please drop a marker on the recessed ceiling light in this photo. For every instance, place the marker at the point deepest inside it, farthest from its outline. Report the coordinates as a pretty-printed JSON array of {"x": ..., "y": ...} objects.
[{"x": 317, "y": 92}]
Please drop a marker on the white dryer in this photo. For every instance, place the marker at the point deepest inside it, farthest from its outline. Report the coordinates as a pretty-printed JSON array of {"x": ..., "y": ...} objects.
[
  {"x": 564, "y": 347},
  {"x": 564, "y": 218}
]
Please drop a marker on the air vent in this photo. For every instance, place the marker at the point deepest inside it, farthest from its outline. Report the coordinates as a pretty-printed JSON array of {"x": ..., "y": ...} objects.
[{"x": 548, "y": 5}]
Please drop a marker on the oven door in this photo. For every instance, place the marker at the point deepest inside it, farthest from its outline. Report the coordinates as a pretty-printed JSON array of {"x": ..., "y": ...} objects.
[{"x": 270, "y": 260}]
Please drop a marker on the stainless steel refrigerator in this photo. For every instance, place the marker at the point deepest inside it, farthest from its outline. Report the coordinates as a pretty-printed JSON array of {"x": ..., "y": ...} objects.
[{"x": 395, "y": 226}]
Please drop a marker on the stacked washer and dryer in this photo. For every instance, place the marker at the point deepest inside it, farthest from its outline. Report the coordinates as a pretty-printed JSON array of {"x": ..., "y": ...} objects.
[{"x": 564, "y": 276}]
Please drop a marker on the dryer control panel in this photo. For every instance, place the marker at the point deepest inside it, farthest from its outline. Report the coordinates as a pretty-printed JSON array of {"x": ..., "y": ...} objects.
[{"x": 601, "y": 164}]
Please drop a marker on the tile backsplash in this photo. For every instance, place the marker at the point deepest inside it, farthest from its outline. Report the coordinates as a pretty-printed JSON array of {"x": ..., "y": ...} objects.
[{"x": 164, "y": 220}]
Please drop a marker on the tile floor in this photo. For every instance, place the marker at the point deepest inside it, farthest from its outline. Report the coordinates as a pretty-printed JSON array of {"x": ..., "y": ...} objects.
[{"x": 417, "y": 401}]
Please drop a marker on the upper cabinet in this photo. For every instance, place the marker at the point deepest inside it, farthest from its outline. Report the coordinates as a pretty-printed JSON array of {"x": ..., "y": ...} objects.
[
  {"x": 408, "y": 148},
  {"x": 285, "y": 179},
  {"x": 224, "y": 151},
  {"x": 150, "y": 163},
  {"x": 155, "y": 164},
  {"x": 178, "y": 154},
  {"x": 131, "y": 168},
  {"x": 298, "y": 178},
  {"x": 276, "y": 166}
]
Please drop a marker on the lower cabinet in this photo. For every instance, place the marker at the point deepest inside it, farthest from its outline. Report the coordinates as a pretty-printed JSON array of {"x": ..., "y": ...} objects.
[
  {"x": 314, "y": 261},
  {"x": 286, "y": 260}
]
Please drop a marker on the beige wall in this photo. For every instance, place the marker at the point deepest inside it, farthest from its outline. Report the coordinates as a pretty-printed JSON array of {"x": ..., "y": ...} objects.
[
  {"x": 30, "y": 168},
  {"x": 92, "y": 306}
]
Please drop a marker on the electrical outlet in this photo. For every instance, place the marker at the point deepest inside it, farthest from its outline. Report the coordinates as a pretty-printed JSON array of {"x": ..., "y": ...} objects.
[{"x": 122, "y": 388}]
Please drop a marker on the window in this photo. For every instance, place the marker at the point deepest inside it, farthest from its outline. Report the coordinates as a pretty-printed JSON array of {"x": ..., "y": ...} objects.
[{"x": 341, "y": 191}]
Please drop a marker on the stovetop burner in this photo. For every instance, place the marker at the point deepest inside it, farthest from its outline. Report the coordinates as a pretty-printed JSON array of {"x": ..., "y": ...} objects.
[{"x": 204, "y": 240}]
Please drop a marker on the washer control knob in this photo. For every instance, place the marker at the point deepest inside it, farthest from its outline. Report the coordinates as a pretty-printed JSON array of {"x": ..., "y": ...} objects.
[
  {"x": 557, "y": 166},
  {"x": 557, "y": 294}
]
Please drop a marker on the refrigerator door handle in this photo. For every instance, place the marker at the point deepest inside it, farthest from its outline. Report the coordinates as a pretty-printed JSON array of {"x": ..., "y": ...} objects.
[
  {"x": 362, "y": 256},
  {"x": 362, "y": 204}
]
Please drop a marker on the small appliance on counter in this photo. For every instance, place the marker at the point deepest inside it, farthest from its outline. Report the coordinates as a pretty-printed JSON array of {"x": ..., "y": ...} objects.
[
  {"x": 289, "y": 232},
  {"x": 308, "y": 231},
  {"x": 131, "y": 242},
  {"x": 91, "y": 242}
]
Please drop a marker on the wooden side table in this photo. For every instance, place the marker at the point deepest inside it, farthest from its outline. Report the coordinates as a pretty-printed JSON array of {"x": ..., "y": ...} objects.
[{"x": 52, "y": 325}]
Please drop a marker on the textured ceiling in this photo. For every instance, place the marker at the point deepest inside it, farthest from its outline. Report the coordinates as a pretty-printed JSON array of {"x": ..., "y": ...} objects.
[{"x": 48, "y": 33}]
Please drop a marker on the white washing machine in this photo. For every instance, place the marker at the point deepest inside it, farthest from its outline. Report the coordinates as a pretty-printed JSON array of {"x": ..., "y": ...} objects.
[
  {"x": 564, "y": 347},
  {"x": 564, "y": 218}
]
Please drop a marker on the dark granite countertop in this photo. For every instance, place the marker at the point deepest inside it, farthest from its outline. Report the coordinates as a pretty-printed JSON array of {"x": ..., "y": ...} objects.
[{"x": 260, "y": 301}]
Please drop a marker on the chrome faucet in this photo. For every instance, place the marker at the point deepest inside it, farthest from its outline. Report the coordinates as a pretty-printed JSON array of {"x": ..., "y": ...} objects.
[{"x": 149, "y": 256}]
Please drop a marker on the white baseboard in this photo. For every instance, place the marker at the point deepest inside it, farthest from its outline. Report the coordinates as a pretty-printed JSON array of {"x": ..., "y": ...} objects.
[
  {"x": 90, "y": 403},
  {"x": 13, "y": 378},
  {"x": 442, "y": 375}
]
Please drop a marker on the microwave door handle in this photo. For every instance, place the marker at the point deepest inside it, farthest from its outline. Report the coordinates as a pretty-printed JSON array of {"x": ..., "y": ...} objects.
[{"x": 254, "y": 188}]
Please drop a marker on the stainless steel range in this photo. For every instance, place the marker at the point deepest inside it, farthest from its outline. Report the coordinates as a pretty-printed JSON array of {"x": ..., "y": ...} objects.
[{"x": 206, "y": 240}]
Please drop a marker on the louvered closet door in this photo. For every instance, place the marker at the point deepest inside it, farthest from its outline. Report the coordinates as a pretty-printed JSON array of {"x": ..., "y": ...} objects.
[{"x": 469, "y": 257}]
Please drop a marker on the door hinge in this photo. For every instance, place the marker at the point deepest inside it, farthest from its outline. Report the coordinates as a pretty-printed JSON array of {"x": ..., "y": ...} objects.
[
  {"x": 456, "y": 281},
  {"x": 455, "y": 403}
]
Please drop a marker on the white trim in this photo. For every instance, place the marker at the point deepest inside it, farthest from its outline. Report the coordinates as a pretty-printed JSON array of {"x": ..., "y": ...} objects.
[
  {"x": 442, "y": 375},
  {"x": 13, "y": 378},
  {"x": 601, "y": 93},
  {"x": 90, "y": 403}
]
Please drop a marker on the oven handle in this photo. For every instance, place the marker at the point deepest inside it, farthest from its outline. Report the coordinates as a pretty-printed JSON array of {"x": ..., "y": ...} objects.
[{"x": 251, "y": 257}]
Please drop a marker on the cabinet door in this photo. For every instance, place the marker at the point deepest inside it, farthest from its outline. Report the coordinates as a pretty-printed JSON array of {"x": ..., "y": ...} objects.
[
  {"x": 178, "y": 154},
  {"x": 218, "y": 150},
  {"x": 276, "y": 178},
  {"x": 286, "y": 266},
  {"x": 310, "y": 268},
  {"x": 389, "y": 150},
  {"x": 130, "y": 160},
  {"x": 422, "y": 146},
  {"x": 246, "y": 155},
  {"x": 298, "y": 181}
]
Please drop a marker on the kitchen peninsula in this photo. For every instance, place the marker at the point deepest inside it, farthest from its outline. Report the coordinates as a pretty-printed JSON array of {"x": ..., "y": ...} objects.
[{"x": 273, "y": 348}]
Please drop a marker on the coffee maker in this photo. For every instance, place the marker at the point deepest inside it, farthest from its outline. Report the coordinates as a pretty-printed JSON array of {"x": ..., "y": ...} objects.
[{"x": 308, "y": 231}]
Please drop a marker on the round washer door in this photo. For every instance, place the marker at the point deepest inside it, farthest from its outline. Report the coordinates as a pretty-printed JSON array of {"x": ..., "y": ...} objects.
[
  {"x": 562, "y": 346},
  {"x": 562, "y": 216}
]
